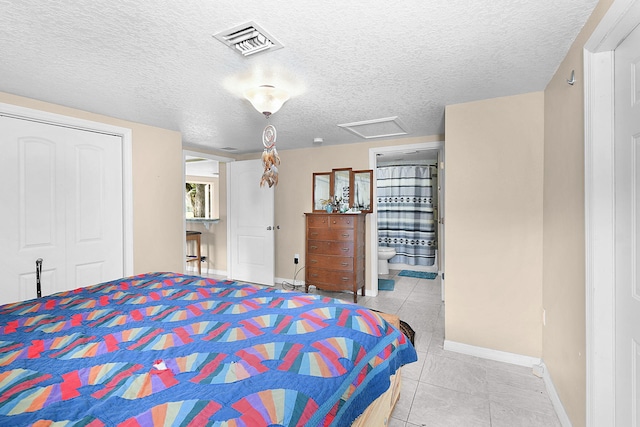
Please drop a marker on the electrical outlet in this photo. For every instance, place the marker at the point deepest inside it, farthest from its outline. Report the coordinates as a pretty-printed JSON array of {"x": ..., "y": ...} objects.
[{"x": 296, "y": 258}]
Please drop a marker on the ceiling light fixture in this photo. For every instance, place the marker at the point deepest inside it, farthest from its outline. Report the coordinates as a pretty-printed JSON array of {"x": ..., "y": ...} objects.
[{"x": 267, "y": 99}]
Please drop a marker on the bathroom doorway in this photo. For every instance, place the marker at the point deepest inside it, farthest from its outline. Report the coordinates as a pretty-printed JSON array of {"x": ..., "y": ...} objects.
[{"x": 428, "y": 153}]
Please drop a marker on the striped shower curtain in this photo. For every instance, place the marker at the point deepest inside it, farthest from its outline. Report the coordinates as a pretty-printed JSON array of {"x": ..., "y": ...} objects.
[{"x": 406, "y": 220}]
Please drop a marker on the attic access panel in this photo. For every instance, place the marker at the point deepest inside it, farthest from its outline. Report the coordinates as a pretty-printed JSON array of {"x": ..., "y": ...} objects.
[{"x": 377, "y": 128}]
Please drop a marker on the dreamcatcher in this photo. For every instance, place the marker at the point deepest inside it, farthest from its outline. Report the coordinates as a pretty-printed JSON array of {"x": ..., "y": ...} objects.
[{"x": 270, "y": 158}]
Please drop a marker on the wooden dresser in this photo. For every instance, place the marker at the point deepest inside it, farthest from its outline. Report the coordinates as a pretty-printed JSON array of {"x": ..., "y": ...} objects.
[{"x": 335, "y": 252}]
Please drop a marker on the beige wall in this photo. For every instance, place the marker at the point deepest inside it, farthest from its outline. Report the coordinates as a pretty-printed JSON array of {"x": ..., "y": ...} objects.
[
  {"x": 157, "y": 188},
  {"x": 564, "y": 344},
  {"x": 493, "y": 205}
]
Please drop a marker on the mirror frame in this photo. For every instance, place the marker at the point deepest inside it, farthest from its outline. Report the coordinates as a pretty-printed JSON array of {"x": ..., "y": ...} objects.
[
  {"x": 318, "y": 197},
  {"x": 368, "y": 190},
  {"x": 349, "y": 178}
]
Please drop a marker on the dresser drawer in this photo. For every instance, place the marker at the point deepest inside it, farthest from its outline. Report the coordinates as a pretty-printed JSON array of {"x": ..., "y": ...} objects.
[
  {"x": 330, "y": 262},
  {"x": 331, "y": 220},
  {"x": 342, "y": 221},
  {"x": 330, "y": 234},
  {"x": 318, "y": 220},
  {"x": 324, "y": 247},
  {"x": 330, "y": 279}
]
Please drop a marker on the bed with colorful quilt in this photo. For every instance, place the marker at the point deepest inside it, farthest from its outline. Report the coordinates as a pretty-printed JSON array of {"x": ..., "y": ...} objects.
[{"x": 166, "y": 349}]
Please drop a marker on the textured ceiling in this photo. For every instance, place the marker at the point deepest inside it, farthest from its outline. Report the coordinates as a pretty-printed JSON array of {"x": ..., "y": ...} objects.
[{"x": 157, "y": 62}]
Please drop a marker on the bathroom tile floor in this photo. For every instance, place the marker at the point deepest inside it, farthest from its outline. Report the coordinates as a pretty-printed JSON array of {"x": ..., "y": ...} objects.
[{"x": 444, "y": 388}]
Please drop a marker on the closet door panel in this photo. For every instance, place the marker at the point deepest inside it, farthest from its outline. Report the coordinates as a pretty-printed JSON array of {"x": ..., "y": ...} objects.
[
  {"x": 31, "y": 217},
  {"x": 36, "y": 180},
  {"x": 48, "y": 201},
  {"x": 26, "y": 289},
  {"x": 94, "y": 215}
]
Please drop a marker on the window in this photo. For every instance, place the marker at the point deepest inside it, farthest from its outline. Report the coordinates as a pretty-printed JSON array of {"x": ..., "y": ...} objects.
[
  {"x": 199, "y": 200},
  {"x": 201, "y": 188}
]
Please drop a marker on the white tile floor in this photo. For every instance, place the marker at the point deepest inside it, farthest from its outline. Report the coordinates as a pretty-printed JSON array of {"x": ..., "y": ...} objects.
[{"x": 450, "y": 389}]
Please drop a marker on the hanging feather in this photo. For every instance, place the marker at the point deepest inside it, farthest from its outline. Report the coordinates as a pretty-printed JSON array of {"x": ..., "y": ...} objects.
[{"x": 270, "y": 158}]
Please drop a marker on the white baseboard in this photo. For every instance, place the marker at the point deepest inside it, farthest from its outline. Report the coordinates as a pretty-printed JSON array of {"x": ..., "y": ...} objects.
[
  {"x": 536, "y": 364},
  {"x": 194, "y": 270},
  {"x": 222, "y": 273},
  {"x": 487, "y": 353},
  {"x": 555, "y": 399},
  {"x": 299, "y": 283}
]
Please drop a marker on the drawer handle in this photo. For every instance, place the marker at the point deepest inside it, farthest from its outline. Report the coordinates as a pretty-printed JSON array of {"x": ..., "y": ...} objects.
[
  {"x": 345, "y": 279},
  {"x": 314, "y": 234},
  {"x": 345, "y": 234},
  {"x": 314, "y": 275},
  {"x": 313, "y": 261},
  {"x": 345, "y": 264},
  {"x": 345, "y": 249},
  {"x": 314, "y": 247}
]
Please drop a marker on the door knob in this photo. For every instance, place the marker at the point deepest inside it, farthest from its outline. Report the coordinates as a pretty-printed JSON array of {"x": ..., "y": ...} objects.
[{"x": 269, "y": 228}]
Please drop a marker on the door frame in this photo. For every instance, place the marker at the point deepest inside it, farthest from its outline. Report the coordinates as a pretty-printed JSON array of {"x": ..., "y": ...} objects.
[
  {"x": 373, "y": 216},
  {"x": 125, "y": 134},
  {"x": 186, "y": 151},
  {"x": 599, "y": 82}
]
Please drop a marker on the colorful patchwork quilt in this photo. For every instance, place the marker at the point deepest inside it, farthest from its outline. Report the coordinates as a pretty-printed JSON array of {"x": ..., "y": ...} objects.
[{"x": 167, "y": 349}]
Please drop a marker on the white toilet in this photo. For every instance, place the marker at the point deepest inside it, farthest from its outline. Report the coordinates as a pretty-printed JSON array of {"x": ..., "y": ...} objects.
[{"x": 384, "y": 255}]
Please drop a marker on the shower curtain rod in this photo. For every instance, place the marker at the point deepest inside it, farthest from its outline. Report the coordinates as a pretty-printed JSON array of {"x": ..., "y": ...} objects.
[{"x": 384, "y": 165}]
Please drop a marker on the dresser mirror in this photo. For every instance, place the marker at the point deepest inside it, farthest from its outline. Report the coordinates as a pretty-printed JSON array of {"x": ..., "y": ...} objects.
[
  {"x": 342, "y": 184},
  {"x": 362, "y": 190},
  {"x": 321, "y": 190},
  {"x": 343, "y": 189}
]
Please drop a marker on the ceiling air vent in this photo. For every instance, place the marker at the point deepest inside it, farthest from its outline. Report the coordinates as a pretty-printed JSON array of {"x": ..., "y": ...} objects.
[{"x": 248, "y": 39}]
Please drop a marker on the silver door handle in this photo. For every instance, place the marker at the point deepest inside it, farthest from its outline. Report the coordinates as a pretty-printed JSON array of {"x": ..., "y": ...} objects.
[
  {"x": 269, "y": 228},
  {"x": 38, "y": 273}
]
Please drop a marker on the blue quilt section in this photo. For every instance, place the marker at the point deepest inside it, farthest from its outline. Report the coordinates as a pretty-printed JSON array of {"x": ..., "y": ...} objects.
[{"x": 169, "y": 349}]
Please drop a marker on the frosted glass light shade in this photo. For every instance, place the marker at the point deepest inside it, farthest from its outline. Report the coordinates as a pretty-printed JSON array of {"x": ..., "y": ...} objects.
[{"x": 266, "y": 98}]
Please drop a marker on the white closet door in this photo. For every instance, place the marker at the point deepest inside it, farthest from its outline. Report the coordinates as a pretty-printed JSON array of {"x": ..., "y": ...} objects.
[{"x": 62, "y": 202}]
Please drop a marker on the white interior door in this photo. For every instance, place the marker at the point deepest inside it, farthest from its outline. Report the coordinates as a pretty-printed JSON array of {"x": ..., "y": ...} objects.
[
  {"x": 251, "y": 224},
  {"x": 627, "y": 240},
  {"x": 61, "y": 202}
]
